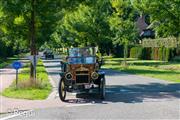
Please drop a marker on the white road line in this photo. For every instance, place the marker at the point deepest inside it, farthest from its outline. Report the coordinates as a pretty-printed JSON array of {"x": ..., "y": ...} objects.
[
  {"x": 15, "y": 115},
  {"x": 76, "y": 105}
]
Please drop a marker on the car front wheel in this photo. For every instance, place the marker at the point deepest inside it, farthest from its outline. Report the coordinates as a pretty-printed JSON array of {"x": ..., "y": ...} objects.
[{"x": 62, "y": 90}]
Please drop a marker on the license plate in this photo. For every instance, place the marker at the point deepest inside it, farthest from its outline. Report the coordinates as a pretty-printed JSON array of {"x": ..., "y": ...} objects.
[{"x": 86, "y": 86}]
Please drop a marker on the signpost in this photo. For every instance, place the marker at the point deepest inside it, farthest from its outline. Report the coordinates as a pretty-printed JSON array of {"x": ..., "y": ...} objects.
[
  {"x": 17, "y": 65},
  {"x": 34, "y": 59}
]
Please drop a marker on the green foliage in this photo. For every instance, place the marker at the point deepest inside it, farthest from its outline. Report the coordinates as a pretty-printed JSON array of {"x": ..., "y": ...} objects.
[
  {"x": 167, "y": 54},
  {"x": 153, "y": 54},
  {"x": 136, "y": 52},
  {"x": 133, "y": 52},
  {"x": 169, "y": 42},
  {"x": 107, "y": 24},
  {"x": 86, "y": 25},
  {"x": 164, "y": 15},
  {"x": 160, "y": 53},
  {"x": 123, "y": 25}
]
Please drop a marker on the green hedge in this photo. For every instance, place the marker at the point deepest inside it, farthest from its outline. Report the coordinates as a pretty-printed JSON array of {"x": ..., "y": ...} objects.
[
  {"x": 136, "y": 52},
  {"x": 162, "y": 53}
]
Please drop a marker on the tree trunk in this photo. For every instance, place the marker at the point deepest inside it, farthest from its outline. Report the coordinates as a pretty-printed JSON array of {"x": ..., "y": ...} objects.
[
  {"x": 125, "y": 53},
  {"x": 32, "y": 39}
]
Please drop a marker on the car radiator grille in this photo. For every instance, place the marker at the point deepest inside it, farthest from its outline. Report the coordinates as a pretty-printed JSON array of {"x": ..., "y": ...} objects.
[{"x": 82, "y": 79}]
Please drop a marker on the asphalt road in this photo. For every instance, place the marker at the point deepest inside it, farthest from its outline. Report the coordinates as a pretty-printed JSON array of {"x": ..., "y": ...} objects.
[{"x": 127, "y": 97}]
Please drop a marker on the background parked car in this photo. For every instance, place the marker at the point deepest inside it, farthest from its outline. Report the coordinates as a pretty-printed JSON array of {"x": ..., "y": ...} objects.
[{"x": 48, "y": 54}]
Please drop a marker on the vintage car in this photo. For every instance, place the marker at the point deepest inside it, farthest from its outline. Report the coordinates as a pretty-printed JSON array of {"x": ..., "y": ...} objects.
[
  {"x": 48, "y": 54},
  {"x": 81, "y": 72}
]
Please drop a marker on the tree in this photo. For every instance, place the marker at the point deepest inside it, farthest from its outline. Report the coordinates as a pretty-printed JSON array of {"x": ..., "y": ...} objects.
[
  {"x": 123, "y": 24},
  {"x": 86, "y": 25},
  {"x": 29, "y": 21}
]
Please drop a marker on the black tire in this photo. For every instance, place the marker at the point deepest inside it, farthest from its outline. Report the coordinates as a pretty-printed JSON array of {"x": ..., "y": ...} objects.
[
  {"x": 62, "y": 90},
  {"x": 102, "y": 87}
]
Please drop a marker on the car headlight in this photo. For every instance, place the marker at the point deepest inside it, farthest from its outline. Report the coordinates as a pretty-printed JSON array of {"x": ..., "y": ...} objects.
[
  {"x": 94, "y": 75},
  {"x": 68, "y": 76}
]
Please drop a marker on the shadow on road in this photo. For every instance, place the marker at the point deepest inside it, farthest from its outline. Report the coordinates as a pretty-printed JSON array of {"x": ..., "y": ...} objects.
[{"x": 131, "y": 94}]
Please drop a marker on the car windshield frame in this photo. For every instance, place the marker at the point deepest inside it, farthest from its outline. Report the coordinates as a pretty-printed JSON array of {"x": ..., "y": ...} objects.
[
  {"x": 81, "y": 55},
  {"x": 81, "y": 52},
  {"x": 82, "y": 60}
]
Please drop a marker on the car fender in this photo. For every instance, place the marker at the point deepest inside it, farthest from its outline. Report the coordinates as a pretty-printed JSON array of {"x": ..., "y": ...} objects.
[
  {"x": 62, "y": 74},
  {"x": 101, "y": 73}
]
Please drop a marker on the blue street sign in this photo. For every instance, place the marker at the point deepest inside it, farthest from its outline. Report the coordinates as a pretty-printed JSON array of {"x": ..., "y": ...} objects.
[{"x": 16, "y": 65}]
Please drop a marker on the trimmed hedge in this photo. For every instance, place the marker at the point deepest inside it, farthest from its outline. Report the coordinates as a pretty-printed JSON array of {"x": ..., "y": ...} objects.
[
  {"x": 136, "y": 52},
  {"x": 162, "y": 53}
]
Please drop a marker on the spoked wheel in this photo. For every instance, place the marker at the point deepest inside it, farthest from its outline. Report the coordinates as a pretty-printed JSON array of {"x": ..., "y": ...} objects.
[
  {"x": 62, "y": 90},
  {"x": 102, "y": 87}
]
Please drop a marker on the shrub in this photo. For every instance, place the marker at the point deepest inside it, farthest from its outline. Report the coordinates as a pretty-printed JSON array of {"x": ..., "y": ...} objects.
[
  {"x": 160, "y": 53},
  {"x": 153, "y": 53},
  {"x": 167, "y": 54},
  {"x": 144, "y": 54},
  {"x": 136, "y": 52},
  {"x": 133, "y": 52},
  {"x": 140, "y": 53}
]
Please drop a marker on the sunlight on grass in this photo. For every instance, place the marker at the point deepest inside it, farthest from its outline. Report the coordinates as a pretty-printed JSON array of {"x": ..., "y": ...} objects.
[{"x": 169, "y": 71}]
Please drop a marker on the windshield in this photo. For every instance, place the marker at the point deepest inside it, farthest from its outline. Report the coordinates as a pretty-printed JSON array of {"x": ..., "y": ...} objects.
[
  {"x": 81, "y": 60},
  {"x": 81, "y": 52}
]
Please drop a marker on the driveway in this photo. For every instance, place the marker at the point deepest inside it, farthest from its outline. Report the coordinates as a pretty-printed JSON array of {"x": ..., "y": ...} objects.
[{"x": 127, "y": 97}]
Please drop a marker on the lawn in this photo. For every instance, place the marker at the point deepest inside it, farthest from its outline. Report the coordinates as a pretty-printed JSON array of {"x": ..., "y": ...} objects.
[
  {"x": 169, "y": 71},
  {"x": 6, "y": 62},
  {"x": 27, "y": 90}
]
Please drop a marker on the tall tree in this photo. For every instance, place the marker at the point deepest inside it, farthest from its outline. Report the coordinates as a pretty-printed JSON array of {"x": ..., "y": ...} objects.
[
  {"x": 86, "y": 25},
  {"x": 122, "y": 22},
  {"x": 31, "y": 21}
]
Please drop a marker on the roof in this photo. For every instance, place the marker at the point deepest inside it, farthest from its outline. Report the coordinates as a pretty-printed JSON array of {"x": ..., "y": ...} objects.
[{"x": 141, "y": 24}]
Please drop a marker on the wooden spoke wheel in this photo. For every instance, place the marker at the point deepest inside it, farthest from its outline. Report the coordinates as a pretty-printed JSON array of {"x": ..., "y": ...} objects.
[{"x": 62, "y": 90}]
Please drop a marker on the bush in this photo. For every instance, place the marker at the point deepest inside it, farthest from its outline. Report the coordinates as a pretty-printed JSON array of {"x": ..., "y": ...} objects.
[
  {"x": 167, "y": 54},
  {"x": 136, "y": 52},
  {"x": 133, "y": 52},
  {"x": 160, "y": 53},
  {"x": 164, "y": 54}
]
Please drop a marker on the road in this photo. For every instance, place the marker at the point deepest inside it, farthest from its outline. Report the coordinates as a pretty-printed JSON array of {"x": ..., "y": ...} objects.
[{"x": 127, "y": 97}]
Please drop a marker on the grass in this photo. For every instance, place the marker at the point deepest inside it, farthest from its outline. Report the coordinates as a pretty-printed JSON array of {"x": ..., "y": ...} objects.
[
  {"x": 169, "y": 71},
  {"x": 28, "y": 90},
  {"x": 6, "y": 62}
]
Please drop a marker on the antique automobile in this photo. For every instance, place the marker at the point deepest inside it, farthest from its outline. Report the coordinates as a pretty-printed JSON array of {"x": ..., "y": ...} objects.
[
  {"x": 48, "y": 54},
  {"x": 81, "y": 73}
]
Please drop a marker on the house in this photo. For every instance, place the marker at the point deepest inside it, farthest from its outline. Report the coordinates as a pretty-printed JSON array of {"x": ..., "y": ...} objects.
[{"x": 145, "y": 30}]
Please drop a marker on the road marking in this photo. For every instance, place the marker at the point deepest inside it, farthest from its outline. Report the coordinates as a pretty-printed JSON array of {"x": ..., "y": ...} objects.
[
  {"x": 77, "y": 105},
  {"x": 15, "y": 115}
]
